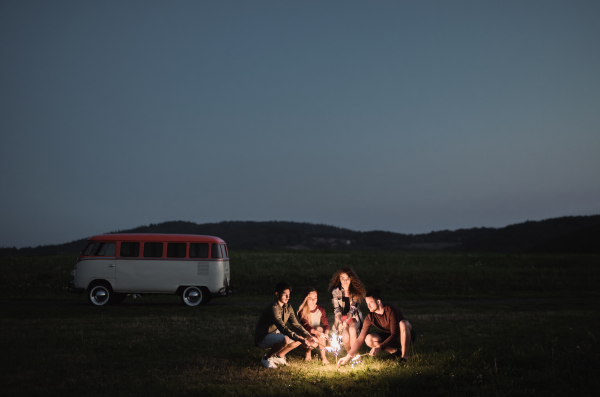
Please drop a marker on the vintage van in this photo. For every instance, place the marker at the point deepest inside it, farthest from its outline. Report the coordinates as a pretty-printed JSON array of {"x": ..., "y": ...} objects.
[{"x": 114, "y": 265}]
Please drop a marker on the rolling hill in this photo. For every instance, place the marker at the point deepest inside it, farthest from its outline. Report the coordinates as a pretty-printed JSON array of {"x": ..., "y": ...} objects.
[{"x": 573, "y": 234}]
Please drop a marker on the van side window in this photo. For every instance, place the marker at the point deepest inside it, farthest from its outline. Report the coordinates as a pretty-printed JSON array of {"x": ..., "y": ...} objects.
[
  {"x": 105, "y": 249},
  {"x": 130, "y": 250},
  {"x": 153, "y": 250},
  {"x": 199, "y": 250},
  {"x": 216, "y": 251},
  {"x": 224, "y": 249},
  {"x": 176, "y": 250},
  {"x": 88, "y": 249}
]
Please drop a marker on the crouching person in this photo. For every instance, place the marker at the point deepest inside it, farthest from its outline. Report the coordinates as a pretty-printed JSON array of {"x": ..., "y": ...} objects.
[
  {"x": 314, "y": 319},
  {"x": 397, "y": 335},
  {"x": 272, "y": 332}
]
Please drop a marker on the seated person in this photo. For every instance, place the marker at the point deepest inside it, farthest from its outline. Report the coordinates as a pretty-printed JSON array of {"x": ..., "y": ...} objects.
[
  {"x": 397, "y": 333},
  {"x": 272, "y": 333},
  {"x": 314, "y": 319}
]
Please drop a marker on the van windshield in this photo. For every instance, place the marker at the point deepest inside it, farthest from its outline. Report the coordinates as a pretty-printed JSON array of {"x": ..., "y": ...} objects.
[
  {"x": 104, "y": 249},
  {"x": 88, "y": 249}
]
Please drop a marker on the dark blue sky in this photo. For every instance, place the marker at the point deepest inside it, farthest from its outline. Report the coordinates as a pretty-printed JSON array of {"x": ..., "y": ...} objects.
[{"x": 400, "y": 116}]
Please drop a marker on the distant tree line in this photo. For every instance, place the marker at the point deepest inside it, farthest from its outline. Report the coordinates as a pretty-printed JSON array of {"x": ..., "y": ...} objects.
[{"x": 573, "y": 234}]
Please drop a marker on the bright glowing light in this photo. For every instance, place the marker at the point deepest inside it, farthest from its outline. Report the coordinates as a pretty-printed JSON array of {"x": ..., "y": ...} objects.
[
  {"x": 356, "y": 360},
  {"x": 334, "y": 344}
]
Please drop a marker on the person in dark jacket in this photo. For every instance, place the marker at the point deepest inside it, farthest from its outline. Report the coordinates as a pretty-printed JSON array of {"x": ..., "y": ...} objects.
[{"x": 272, "y": 332}]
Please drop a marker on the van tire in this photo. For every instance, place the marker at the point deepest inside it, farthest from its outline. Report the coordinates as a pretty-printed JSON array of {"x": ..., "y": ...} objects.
[
  {"x": 192, "y": 296},
  {"x": 100, "y": 293}
]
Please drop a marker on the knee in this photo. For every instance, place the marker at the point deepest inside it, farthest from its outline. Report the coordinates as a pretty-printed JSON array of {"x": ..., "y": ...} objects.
[
  {"x": 345, "y": 338},
  {"x": 372, "y": 340},
  {"x": 405, "y": 326},
  {"x": 320, "y": 329}
]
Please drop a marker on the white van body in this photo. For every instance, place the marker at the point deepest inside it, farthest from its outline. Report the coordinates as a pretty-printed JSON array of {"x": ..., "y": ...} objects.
[{"x": 115, "y": 265}]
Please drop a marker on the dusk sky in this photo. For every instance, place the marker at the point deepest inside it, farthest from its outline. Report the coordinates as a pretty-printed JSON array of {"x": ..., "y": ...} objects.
[{"x": 388, "y": 115}]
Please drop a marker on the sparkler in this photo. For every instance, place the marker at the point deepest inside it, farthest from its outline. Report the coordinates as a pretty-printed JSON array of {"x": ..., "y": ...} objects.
[
  {"x": 335, "y": 344},
  {"x": 356, "y": 360}
]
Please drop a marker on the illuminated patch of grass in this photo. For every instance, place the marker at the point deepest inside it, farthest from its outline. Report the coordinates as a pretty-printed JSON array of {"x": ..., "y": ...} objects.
[{"x": 492, "y": 349}]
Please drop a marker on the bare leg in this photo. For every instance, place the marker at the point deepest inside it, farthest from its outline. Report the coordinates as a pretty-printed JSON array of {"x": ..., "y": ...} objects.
[
  {"x": 276, "y": 347},
  {"x": 349, "y": 335},
  {"x": 323, "y": 342},
  {"x": 346, "y": 340},
  {"x": 282, "y": 348},
  {"x": 352, "y": 331},
  {"x": 308, "y": 354},
  {"x": 291, "y": 346},
  {"x": 373, "y": 340},
  {"x": 405, "y": 328}
]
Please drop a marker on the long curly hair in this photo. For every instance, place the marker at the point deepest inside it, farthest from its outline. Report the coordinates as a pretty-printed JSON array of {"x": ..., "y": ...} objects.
[{"x": 357, "y": 289}]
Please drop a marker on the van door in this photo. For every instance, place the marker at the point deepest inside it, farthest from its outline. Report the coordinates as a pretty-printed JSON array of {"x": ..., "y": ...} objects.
[{"x": 102, "y": 263}]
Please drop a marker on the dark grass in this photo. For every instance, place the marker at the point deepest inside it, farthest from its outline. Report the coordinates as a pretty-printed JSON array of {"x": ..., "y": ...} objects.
[
  {"x": 408, "y": 276},
  {"x": 133, "y": 349},
  {"x": 156, "y": 346}
]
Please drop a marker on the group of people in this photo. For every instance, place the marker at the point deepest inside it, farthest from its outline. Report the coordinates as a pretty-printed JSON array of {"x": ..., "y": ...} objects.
[{"x": 310, "y": 328}]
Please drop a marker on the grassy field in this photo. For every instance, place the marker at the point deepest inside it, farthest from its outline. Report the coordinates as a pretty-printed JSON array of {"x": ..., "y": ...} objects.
[
  {"x": 56, "y": 343},
  {"x": 402, "y": 276}
]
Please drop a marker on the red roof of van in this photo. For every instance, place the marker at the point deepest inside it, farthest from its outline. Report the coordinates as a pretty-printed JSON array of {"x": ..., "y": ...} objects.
[{"x": 155, "y": 237}]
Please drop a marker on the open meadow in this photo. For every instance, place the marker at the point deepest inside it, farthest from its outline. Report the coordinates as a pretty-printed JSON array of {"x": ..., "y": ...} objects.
[{"x": 488, "y": 325}]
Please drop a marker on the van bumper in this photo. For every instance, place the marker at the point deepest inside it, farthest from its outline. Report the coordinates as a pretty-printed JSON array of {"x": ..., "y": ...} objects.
[{"x": 225, "y": 291}]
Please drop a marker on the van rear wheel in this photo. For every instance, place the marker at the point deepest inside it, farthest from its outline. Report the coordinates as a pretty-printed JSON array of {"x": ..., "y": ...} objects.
[
  {"x": 100, "y": 294},
  {"x": 192, "y": 296}
]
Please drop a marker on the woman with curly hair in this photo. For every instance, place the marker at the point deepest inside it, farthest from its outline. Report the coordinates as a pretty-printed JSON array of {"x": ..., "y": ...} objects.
[{"x": 347, "y": 292}]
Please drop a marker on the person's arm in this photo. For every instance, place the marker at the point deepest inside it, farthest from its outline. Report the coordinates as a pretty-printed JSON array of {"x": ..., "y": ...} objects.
[
  {"x": 276, "y": 313},
  {"x": 394, "y": 331},
  {"x": 294, "y": 322},
  {"x": 337, "y": 310}
]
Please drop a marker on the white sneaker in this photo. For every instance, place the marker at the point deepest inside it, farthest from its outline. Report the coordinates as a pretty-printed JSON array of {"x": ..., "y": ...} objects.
[
  {"x": 268, "y": 362},
  {"x": 279, "y": 360}
]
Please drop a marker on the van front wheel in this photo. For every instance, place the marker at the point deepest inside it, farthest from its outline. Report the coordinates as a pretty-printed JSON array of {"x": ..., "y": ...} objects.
[
  {"x": 100, "y": 294},
  {"x": 192, "y": 296}
]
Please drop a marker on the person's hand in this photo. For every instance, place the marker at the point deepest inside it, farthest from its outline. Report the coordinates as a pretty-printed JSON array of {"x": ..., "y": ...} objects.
[
  {"x": 344, "y": 360},
  {"x": 318, "y": 334},
  {"x": 310, "y": 342},
  {"x": 343, "y": 326},
  {"x": 374, "y": 351}
]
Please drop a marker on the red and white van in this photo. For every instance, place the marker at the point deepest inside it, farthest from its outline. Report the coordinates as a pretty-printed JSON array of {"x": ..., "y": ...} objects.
[{"x": 114, "y": 265}]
